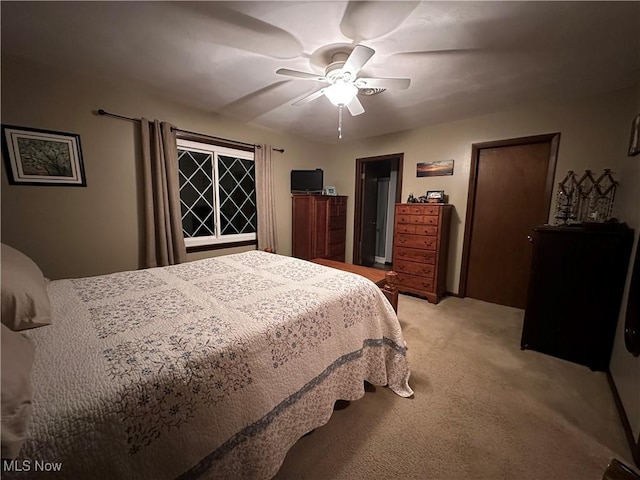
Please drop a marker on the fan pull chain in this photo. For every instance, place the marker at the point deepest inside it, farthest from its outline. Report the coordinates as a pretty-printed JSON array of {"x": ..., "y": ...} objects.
[{"x": 340, "y": 107}]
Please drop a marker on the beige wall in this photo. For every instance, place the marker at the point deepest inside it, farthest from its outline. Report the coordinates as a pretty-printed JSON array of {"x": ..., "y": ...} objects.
[
  {"x": 625, "y": 368},
  {"x": 71, "y": 231}
]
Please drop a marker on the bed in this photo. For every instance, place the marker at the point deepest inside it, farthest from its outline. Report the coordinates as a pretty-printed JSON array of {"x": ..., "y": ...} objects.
[{"x": 208, "y": 369}]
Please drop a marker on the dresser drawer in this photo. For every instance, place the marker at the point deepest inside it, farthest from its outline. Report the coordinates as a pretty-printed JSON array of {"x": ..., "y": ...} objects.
[
  {"x": 410, "y": 219},
  {"x": 416, "y": 241},
  {"x": 336, "y": 248},
  {"x": 414, "y": 255},
  {"x": 338, "y": 210},
  {"x": 413, "y": 281},
  {"x": 424, "y": 230},
  {"x": 337, "y": 236},
  {"x": 418, "y": 209},
  {"x": 337, "y": 223},
  {"x": 406, "y": 228},
  {"x": 418, "y": 219},
  {"x": 430, "y": 210},
  {"x": 420, "y": 269}
]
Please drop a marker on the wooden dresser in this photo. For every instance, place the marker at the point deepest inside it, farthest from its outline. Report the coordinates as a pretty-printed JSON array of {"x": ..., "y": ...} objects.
[
  {"x": 319, "y": 226},
  {"x": 420, "y": 246}
]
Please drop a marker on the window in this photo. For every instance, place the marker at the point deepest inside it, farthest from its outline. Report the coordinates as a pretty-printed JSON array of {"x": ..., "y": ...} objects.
[{"x": 217, "y": 194}]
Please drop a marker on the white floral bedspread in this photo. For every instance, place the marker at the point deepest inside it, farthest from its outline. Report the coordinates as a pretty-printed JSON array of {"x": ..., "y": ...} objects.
[{"x": 209, "y": 369}]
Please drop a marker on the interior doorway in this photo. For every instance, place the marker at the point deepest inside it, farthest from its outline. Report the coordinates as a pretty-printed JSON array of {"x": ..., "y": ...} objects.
[
  {"x": 378, "y": 189},
  {"x": 510, "y": 190}
]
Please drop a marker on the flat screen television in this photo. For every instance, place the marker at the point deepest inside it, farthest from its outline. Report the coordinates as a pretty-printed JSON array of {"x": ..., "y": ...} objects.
[{"x": 307, "y": 181}]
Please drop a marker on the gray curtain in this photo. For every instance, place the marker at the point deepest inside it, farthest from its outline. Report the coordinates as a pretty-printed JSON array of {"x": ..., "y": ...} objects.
[
  {"x": 164, "y": 242},
  {"x": 265, "y": 199}
]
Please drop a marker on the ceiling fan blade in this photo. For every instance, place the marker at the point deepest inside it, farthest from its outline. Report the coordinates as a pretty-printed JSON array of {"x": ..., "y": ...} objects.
[
  {"x": 441, "y": 52},
  {"x": 299, "y": 74},
  {"x": 355, "y": 107},
  {"x": 264, "y": 100},
  {"x": 214, "y": 22},
  {"x": 358, "y": 58},
  {"x": 389, "y": 83},
  {"x": 309, "y": 98},
  {"x": 363, "y": 20}
]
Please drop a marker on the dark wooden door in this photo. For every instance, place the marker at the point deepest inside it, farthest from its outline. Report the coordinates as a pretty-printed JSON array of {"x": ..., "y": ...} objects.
[{"x": 509, "y": 194}]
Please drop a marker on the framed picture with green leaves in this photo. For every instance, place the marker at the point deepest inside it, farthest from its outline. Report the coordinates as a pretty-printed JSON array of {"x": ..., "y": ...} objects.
[{"x": 42, "y": 157}]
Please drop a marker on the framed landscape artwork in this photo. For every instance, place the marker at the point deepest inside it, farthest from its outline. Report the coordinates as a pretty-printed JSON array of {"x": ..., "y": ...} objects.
[
  {"x": 435, "y": 169},
  {"x": 42, "y": 157}
]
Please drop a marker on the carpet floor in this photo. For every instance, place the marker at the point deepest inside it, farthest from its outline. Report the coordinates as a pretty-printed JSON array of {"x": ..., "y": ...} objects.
[{"x": 482, "y": 409}]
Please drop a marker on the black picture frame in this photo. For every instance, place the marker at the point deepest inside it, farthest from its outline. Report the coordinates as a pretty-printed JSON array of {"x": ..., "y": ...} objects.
[
  {"x": 42, "y": 157},
  {"x": 634, "y": 139}
]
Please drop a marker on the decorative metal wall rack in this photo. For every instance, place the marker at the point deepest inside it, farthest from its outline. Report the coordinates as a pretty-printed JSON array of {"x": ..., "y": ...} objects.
[{"x": 585, "y": 199}]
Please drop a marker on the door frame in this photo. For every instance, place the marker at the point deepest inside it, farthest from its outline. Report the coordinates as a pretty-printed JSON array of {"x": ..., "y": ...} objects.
[
  {"x": 553, "y": 138},
  {"x": 357, "y": 216}
]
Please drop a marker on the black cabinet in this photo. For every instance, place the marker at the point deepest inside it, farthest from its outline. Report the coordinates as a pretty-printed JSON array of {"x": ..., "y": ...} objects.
[{"x": 575, "y": 290}]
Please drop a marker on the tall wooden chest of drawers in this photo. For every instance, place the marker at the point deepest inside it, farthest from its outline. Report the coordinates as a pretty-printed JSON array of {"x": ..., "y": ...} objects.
[
  {"x": 319, "y": 226},
  {"x": 576, "y": 284},
  {"x": 420, "y": 248}
]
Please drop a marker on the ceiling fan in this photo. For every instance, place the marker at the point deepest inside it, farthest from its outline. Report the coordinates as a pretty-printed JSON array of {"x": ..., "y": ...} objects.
[{"x": 344, "y": 84}]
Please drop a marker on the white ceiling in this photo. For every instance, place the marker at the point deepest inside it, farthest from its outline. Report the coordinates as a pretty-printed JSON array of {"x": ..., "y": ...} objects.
[{"x": 464, "y": 58}]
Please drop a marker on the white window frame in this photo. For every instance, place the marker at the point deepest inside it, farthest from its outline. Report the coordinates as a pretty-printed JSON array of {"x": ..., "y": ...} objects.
[{"x": 215, "y": 151}]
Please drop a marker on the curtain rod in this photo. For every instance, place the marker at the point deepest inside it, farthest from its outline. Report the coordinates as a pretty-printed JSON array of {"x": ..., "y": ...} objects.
[{"x": 104, "y": 112}]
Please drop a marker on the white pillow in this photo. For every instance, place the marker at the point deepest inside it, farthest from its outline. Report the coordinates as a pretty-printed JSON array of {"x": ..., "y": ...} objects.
[
  {"x": 25, "y": 303},
  {"x": 17, "y": 359}
]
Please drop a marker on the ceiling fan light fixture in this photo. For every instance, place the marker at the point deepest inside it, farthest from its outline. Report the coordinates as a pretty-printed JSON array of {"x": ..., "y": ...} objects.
[
  {"x": 341, "y": 93},
  {"x": 344, "y": 84}
]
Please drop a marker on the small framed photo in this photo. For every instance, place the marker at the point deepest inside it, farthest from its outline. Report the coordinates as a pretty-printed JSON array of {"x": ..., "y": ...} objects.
[
  {"x": 330, "y": 191},
  {"x": 435, "y": 196},
  {"x": 42, "y": 157},
  {"x": 634, "y": 140}
]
